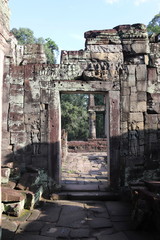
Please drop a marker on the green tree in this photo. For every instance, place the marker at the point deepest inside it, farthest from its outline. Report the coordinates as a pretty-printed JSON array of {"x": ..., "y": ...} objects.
[
  {"x": 75, "y": 116},
  {"x": 154, "y": 25},
  {"x": 26, "y": 36},
  {"x": 51, "y": 49}
]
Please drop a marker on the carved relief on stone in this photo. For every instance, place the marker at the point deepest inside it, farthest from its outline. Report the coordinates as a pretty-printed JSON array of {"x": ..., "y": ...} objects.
[
  {"x": 101, "y": 70},
  {"x": 133, "y": 139},
  {"x": 35, "y": 140}
]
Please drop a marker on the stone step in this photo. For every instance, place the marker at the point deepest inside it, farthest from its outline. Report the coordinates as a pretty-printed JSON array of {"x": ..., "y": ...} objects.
[
  {"x": 83, "y": 187},
  {"x": 96, "y": 195},
  {"x": 153, "y": 186}
]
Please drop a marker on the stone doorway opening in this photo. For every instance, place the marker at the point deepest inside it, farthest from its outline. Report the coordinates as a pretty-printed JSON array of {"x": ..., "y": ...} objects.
[{"x": 84, "y": 147}]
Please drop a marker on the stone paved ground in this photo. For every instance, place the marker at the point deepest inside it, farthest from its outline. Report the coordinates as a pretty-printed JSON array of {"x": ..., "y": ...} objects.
[
  {"x": 75, "y": 220},
  {"x": 85, "y": 168}
]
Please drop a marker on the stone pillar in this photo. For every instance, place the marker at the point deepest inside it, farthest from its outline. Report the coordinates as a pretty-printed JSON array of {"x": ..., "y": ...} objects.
[
  {"x": 92, "y": 117},
  {"x": 106, "y": 117},
  {"x": 55, "y": 137},
  {"x": 114, "y": 138},
  {"x": 92, "y": 124}
]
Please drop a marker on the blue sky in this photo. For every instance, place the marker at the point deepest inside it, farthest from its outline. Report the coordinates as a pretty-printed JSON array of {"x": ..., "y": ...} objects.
[{"x": 65, "y": 21}]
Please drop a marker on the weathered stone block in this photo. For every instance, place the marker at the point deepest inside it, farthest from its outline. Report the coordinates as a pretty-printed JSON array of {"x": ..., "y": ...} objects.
[
  {"x": 17, "y": 72},
  {"x": 141, "y": 96},
  {"x": 45, "y": 95},
  {"x": 141, "y": 133},
  {"x": 133, "y": 97},
  {"x": 124, "y": 84},
  {"x": 44, "y": 148},
  {"x": 16, "y": 80},
  {"x": 6, "y": 155},
  {"x": 32, "y": 118},
  {"x": 30, "y": 200},
  {"x": 141, "y": 72},
  {"x": 111, "y": 57},
  {"x": 152, "y": 75},
  {"x": 125, "y": 103},
  {"x": 11, "y": 195},
  {"x": 5, "y": 173},
  {"x": 14, "y": 209},
  {"x": 18, "y": 137},
  {"x": 133, "y": 106},
  {"x": 17, "y": 108},
  {"x": 151, "y": 119},
  {"x": 124, "y": 125},
  {"x": 125, "y": 116},
  {"x": 142, "y": 86},
  {"x": 10, "y": 184},
  {"x": 131, "y": 81},
  {"x": 140, "y": 47},
  {"x": 44, "y": 84},
  {"x": 16, "y": 126},
  {"x": 32, "y": 96},
  {"x": 105, "y": 48},
  {"x": 140, "y": 125},
  {"x": 137, "y": 117},
  {"x": 141, "y": 150},
  {"x": 126, "y": 91},
  {"x": 14, "y": 116},
  {"x": 142, "y": 106},
  {"x": 44, "y": 137},
  {"x": 133, "y": 90},
  {"x": 44, "y": 121},
  {"x": 19, "y": 99},
  {"x": 155, "y": 97},
  {"x": 131, "y": 69},
  {"x": 32, "y": 108},
  {"x": 153, "y": 137},
  {"x": 16, "y": 94},
  {"x": 6, "y": 143}
]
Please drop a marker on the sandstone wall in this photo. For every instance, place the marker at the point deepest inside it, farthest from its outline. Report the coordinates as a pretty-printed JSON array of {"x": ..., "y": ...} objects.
[{"x": 120, "y": 62}]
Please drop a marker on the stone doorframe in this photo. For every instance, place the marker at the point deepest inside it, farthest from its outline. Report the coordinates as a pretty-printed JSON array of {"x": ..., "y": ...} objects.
[{"x": 113, "y": 125}]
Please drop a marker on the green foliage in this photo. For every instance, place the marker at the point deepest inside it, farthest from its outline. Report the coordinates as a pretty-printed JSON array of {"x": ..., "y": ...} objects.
[
  {"x": 26, "y": 36},
  {"x": 154, "y": 25},
  {"x": 100, "y": 125},
  {"x": 75, "y": 116},
  {"x": 50, "y": 49},
  {"x": 99, "y": 99}
]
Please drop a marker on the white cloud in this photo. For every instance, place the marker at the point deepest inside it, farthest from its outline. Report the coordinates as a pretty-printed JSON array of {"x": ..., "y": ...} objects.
[{"x": 111, "y": 1}]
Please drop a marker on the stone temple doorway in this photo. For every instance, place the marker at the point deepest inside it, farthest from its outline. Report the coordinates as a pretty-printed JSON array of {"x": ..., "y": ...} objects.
[
  {"x": 113, "y": 125},
  {"x": 84, "y": 142}
]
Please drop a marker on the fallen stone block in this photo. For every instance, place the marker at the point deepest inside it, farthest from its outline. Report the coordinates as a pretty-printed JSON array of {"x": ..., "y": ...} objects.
[
  {"x": 29, "y": 200},
  {"x": 13, "y": 201},
  {"x": 14, "y": 209},
  {"x": 11, "y": 195},
  {"x": 5, "y": 173},
  {"x": 10, "y": 184}
]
